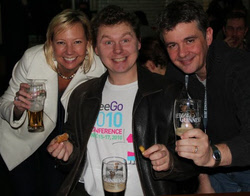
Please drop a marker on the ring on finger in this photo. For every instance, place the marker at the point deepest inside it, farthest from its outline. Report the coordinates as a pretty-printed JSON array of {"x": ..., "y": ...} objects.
[
  {"x": 195, "y": 149},
  {"x": 16, "y": 98}
]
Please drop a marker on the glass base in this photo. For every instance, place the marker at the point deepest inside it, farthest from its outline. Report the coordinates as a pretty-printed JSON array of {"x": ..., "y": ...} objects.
[{"x": 35, "y": 129}]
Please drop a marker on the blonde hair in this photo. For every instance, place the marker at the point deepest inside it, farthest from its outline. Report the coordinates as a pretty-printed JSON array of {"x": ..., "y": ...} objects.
[{"x": 64, "y": 20}]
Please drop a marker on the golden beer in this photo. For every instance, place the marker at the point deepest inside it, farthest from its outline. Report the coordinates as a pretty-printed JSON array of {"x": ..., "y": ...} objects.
[{"x": 35, "y": 121}]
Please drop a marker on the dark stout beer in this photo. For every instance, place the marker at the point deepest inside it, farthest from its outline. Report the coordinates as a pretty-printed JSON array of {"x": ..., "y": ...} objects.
[
  {"x": 114, "y": 176},
  {"x": 114, "y": 194},
  {"x": 114, "y": 189}
]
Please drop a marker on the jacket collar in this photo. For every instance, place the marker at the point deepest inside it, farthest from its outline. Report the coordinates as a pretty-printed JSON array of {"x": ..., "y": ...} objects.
[{"x": 148, "y": 82}]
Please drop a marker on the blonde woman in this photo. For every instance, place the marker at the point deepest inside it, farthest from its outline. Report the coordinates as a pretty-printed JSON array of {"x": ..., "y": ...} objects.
[{"x": 64, "y": 61}]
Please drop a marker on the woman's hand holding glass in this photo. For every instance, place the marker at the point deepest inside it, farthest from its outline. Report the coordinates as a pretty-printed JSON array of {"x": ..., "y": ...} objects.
[{"x": 21, "y": 100}]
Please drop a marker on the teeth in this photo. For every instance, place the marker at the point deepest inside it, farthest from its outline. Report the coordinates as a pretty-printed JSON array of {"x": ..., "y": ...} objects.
[
  {"x": 69, "y": 59},
  {"x": 120, "y": 59}
]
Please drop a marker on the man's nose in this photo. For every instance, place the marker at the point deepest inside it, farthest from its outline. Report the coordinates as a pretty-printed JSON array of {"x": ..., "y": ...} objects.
[
  {"x": 117, "y": 48},
  {"x": 183, "y": 50}
]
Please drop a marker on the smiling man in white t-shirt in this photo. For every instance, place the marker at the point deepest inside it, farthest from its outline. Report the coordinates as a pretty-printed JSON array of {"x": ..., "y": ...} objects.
[{"x": 113, "y": 115}]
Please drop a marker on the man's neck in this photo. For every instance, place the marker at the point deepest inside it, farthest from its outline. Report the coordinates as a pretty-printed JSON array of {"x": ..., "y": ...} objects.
[
  {"x": 202, "y": 74},
  {"x": 201, "y": 77},
  {"x": 122, "y": 79}
]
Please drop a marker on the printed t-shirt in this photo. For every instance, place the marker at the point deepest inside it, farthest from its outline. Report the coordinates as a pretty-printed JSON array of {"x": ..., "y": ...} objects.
[{"x": 112, "y": 136}]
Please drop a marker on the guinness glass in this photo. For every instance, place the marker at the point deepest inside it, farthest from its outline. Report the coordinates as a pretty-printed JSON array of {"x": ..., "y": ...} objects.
[
  {"x": 114, "y": 176},
  {"x": 187, "y": 115}
]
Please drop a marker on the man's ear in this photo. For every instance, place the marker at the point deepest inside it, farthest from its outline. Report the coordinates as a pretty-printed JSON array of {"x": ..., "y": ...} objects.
[
  {"x": 209, "y": 36},
  {"x": 139, "y": 45}
]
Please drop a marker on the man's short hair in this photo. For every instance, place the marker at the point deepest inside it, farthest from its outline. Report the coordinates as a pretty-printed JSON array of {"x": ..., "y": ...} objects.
[
  {"x": 182, "y": 12},
  {"x": 112, "y": 15},
  {"x": 236, "y": 15}
]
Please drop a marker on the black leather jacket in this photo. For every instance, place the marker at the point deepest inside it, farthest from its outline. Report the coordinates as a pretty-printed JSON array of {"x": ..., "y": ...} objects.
[{"x": 152, "y": 124}]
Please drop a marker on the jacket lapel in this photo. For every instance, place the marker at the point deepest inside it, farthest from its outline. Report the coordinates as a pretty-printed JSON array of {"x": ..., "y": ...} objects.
[
  {"x": 79, "y": 78},
  {"x": 149, "y": 82}
]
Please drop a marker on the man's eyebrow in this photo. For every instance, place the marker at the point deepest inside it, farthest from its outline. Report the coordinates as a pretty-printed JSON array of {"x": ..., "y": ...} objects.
[
  {"x": 123, "y": 35},
  {"x": 191, "y": 37},
  {"x": 105, "y": 36},
  {"x": 169, "y": 43},
  {"x": 185, "y": 39}
]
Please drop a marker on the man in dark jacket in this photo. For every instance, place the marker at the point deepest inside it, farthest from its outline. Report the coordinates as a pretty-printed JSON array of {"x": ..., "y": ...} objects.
[
  {"x": 219, "y": 76},
  {"x": 113, "y": 115}
]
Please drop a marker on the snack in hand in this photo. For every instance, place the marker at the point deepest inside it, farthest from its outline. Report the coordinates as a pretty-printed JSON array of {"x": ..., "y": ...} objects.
[
  {"x": 142, "y": 149},
  {"x": 62, "y": 138}
]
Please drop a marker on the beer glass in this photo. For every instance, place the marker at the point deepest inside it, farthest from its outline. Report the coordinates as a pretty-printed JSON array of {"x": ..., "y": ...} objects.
[
  {"x": 114, "y": 176},
  {"x": 187, "y": 115},
  {"x": 35, "y": 113}
]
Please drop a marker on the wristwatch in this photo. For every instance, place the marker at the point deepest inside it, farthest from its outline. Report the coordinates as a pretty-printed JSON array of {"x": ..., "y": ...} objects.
[{"x": 216, "y": 155}]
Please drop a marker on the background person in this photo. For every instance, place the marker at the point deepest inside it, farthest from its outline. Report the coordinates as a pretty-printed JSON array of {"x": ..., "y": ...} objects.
[
  {"x": 235, "y": 30},
  {"x": 146, "y": 30},
  {"x": 153, "y": 56},
  {"x": 144, "y": 104},
  {"x": 218, "y": 75},
  {"x": 228, "y": 9},
  {"x": 64, "y": 61},
  {"x": 218, "y": 9}
]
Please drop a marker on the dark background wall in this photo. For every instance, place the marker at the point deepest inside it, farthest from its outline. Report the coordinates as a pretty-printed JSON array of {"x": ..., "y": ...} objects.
[{"x": 23, "y": 23}]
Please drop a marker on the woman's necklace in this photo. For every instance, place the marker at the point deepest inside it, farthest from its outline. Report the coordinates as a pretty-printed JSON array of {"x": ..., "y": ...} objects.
[{"x": 65, "y": 77}]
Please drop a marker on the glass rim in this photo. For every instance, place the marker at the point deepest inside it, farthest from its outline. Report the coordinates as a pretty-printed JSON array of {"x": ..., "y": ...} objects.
[
  {"x": 187, "y": 99},
  {"x": 114, "y": 158},
  {"x": 36, "y": 81}
]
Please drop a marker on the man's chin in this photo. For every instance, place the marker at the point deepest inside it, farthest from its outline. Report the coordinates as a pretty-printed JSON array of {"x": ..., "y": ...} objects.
[{"x": 188, "y": 71}]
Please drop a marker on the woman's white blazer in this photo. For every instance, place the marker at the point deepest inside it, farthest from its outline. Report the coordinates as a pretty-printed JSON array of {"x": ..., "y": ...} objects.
[{"x": 16, "y": 143}]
